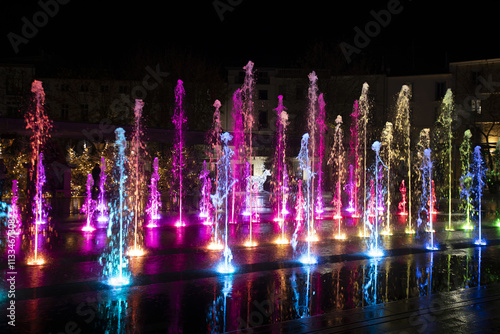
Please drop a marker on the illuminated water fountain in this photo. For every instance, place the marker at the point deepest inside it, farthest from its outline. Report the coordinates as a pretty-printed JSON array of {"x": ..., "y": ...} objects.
[
  {"x": 364, "y": 108},
  {"x": 248, "y": 122},
  {"x": 38, "y": 122},
  {"x": 214, "y": 153},
  {"x": 137, "y": 153},
  {"x": 402, "y": 204},
  {"x": 312, "y": 124},
  {"x": 478, "y": 185},
  {"x": 220, "y": 199},
  {"x": 337, "y": 160},
  {"x": 205, "y": 201},
  {"x": 239, "y": 151},
  {"x": 466, "y": 178},
  {"x": 113, "y": 259},
  {"x": 280, "y": 170},
  {"x": 444, "y": 122},
  {"x": 305, "y": 165},
  {"x": 425, "y": 208},
  {"x": 321, "y": 128},
  {"x": 374, "y": 250},
  {"x": 89, "y": 206},
  {"x": 101, "y": 199},
  {"x": 178, "y": 161},
  {"x": 402, "y": 129},
  {"x": 299, "y": 203},
  {"x": 154, "y": 197},
  {"x": 387, "y": 137},
  {"x": 354, "y": 168}
]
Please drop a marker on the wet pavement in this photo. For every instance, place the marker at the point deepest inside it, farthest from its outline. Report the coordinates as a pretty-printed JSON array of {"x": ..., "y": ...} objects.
[{"x": 174, "y": 287}]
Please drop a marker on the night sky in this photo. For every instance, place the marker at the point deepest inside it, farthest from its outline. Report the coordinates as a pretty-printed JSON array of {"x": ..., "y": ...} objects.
[{"x": 419, "y": 39}]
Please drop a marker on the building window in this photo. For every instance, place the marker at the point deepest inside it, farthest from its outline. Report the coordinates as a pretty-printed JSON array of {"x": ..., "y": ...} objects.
[
  {"x": 84, "y": 112},
  {"x": 440, "y": 90},
  {"x": 263, "y": 120},
  {"x": 262, "y": 94},
  {"x": 476, "y": 106},
  {"x": 64, "y": 112}
]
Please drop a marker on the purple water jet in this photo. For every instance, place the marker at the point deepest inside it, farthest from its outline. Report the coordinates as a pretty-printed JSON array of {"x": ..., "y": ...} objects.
[
  {"x": 154, "y": 197},
  {"x": 88, "y": 207},
  {"x": 178, "y": 162}
]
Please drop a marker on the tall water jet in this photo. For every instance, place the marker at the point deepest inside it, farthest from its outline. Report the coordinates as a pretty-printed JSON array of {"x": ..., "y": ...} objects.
[
  {"x": 280, "y": 174},
  {"x": 311, "y": 127},
  {"x": 337, "y": 160},
  {"x": 364, "y": 108},
  {"x": 178, "y": 161},
  {"x": 214, "y": 151},
  {"x": 40, "y": 125},
  {"x": 354, "y": 169},
  {"x": 113, "y": 259},
  {"x": 136, "y": 162},
  {"x": 154, "y": 203},
  {"x": 373, "y": 248},
  {"x": 101, "y": 198},
  {"x": 444, "y": 138},
  {"x": 220, "y": 199},
  {"x": 305, "y": 166},
  {"x": 249, "y": 121},
  {"x": 402, "y": 129},
  {"x": 466, "y": 178},
  {"x": 239, "y": 151},
  {"x": 88, "y": 207},
  {"x": 478, "y": 185},
  {"x": 321, "y": 153},
  {"x": 425, "y": 208},
  {"x": 387, "y": 137}
]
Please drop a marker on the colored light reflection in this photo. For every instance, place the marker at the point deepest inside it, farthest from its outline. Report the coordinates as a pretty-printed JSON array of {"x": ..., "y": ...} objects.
[{"x": 308, "y": 259}]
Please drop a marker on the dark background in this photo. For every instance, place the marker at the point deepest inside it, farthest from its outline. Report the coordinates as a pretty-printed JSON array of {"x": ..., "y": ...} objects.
[{"x": 421, "y": 39}]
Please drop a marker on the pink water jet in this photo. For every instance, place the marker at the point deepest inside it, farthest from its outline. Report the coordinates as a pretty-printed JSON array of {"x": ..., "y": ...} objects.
[
  {"x": 101, "y": 199},
  {"x": 88, "y": 207},
  {"x": 432, "y": 200},
  {"x": 248, "y": 122},
  {"x": 402, "y": 204},
  {"x": 321, "y": 128},
  {"x": 238, "y": 144},
  {"x": 280, "y": 184},
  {"x": 354, "y": 169},
  {"x": 178, "y": 162},
  {"x": 154, "y": 197},
  {"x": 205, "y": 201},
  {"x": 214, "y": 153},
  {"x": 312, "y": 94}
]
